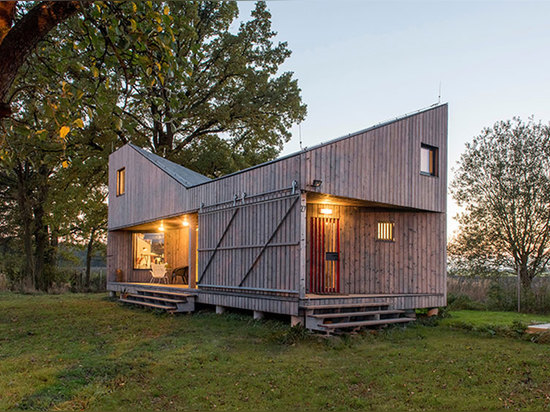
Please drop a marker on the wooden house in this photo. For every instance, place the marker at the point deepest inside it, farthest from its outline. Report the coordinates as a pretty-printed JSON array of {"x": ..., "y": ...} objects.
[{"x": 345, "y": 234}]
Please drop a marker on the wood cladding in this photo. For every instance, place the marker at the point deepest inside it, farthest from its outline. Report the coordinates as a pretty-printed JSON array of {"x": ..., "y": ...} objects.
[
  {"x": 381, "y": 165},
  {"x": 251, "y": 245},
  {"x": 412, "y": 263}
]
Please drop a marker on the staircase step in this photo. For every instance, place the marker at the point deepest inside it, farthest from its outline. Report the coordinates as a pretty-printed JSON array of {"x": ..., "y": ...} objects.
[
  {"x": 162, "y": 292},
  {"x": 148, "y": 297},
  {"x": 151, "y": 305},
  {"x": 348, "y": 305},
  {"x": 365, "y": 323},
  {"x": 354, "y": 314}
]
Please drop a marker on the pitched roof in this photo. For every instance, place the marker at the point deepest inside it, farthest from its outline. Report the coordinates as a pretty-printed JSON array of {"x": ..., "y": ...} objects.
[{"x": 181, "y": 174}]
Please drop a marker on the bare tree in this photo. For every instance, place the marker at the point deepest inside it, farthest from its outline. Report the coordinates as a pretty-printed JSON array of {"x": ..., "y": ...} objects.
[{"x": 503, "y": 184}]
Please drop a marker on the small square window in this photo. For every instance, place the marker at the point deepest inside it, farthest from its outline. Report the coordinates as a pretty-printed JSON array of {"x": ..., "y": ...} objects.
[
  {"x": 120, "y": 181},
  {"x": 428, "y": 160},
  {"x": 385, "y": 231}
]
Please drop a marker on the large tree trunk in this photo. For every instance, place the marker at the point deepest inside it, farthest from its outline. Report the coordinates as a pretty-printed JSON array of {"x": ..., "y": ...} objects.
[
  {"x": 25, "y": 214},
  {"x": 22, "y": 38},
  {"x": 89, "y": 252},
  {"x": 41, "y": 236}
]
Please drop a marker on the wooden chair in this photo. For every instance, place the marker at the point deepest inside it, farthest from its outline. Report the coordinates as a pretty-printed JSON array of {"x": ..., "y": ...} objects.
[
  {"x": 182, "y": 271},
  {"x": 158, "y": 272}
]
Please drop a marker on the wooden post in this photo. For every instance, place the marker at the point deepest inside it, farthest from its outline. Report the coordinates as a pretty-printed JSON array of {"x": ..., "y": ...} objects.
[
  {"x": 193, "y": 244},
  {"x": 220, "y": 310},
  {"x": 296, "y": 320},
  {"x": 258, "y": 315},
  {"x": 303, "y": 245}
]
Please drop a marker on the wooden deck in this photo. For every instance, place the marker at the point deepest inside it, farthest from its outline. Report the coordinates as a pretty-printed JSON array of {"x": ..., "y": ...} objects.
[{"x": 282, "y": 304}]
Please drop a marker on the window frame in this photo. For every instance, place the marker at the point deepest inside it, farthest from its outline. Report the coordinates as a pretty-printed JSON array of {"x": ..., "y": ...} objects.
[
  {"x": 434, "y": 157},
  {"x": 121, "y": 187},
  {"x": 384, "y": 223}
]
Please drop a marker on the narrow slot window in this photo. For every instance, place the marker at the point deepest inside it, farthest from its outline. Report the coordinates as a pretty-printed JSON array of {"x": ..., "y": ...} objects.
[
  {"x": 385, "y": 231},
  {"x": 428, "y": 160},
  {"x": 120, "y": 181}
]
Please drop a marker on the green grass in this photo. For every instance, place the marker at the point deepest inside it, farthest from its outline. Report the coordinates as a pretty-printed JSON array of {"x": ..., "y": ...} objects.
[
  {"x": 486, "y": 318},
  {"x": 85, "y": 352}
]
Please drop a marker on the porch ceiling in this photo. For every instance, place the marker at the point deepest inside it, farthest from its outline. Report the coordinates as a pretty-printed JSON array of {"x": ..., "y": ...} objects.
[
  {"x": 171, "y": 223},
  {"x": 322, "y": 198}
]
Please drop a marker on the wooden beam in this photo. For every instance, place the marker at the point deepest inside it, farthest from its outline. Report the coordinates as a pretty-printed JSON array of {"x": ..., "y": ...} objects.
[{"x": 218, "y": 244}]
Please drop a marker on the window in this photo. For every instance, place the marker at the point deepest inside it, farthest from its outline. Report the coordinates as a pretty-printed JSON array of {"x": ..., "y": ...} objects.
[
  {"x": 148, "y": 248},
  {"x": 428, "y": 160},
  {"x": 385, "y": 231},
  {"x": 120, "y": 181}
]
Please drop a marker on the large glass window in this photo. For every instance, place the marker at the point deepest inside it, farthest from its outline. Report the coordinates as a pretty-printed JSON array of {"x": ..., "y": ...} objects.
[
  {"x": 148, "y": 248},
  {"x": 428, "y": 160}
]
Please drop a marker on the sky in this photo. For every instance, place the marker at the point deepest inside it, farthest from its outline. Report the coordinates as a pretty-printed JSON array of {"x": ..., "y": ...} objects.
[{"x": 359, "y": 63}]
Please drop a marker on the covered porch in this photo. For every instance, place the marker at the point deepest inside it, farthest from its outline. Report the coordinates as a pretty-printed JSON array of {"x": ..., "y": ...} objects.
[{"x": 159, "y": 252}]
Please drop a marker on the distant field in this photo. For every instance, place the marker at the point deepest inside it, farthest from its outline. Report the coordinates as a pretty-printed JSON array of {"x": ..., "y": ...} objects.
[{"x": 85, "y": 352}]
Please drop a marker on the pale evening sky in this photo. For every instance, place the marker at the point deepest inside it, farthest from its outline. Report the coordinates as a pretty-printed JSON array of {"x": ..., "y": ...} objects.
[{"x": 362, "y": 62}]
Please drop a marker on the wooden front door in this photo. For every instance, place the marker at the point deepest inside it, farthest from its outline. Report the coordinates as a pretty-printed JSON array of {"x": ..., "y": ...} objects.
[{"x": 324, "y": 258}]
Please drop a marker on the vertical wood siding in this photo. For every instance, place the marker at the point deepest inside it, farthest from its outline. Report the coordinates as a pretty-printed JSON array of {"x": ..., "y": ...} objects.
[
  {"x": 413, "y": 263},
  {"x": 380, "y": 165},
  {"x": 252, "y": 245},
  {"x": 383, "y": 165}
]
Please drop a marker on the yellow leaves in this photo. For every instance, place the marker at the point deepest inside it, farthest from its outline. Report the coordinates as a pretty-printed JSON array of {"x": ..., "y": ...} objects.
[
  {"x": 133, "y": 25},
  {"x": 65, "y": 164},
  {"x": 64, "y": 131},
  {"x": 79, "y": 123},
  {"x": 95, "y": 72},
  {"x": 134, "y": 7},
  {"x": 159, "y": 29},
  {"x": 158, "y": 66},
  {"x": 166, "y": 10},
  {"x": 161, "y": 78}
]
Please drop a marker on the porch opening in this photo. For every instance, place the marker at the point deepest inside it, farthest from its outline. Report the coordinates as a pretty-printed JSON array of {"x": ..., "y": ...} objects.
[{"x": 163, "y": 252}]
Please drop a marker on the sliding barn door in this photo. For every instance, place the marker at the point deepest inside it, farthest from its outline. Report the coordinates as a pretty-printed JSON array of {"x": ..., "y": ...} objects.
[{"x": 324, "y": 259}]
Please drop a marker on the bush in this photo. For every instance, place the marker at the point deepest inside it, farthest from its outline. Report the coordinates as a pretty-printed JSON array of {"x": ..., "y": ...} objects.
[
  {"x": 498, "y": 293},
  {"x": 463, "y": 302}
]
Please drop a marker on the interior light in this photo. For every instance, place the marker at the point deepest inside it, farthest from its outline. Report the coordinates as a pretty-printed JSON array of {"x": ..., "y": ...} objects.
[
  {"x": 317, "y": 183},
  {"x": 326, "y": 211},
  {"x": 161, "y": 227},
  {"x": 185, "y": 222}
]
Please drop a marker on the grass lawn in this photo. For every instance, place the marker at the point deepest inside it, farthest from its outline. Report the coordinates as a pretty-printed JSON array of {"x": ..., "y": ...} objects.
[
  {"x": 75, "y": 352},
  {"x": 486, "y": 318}
]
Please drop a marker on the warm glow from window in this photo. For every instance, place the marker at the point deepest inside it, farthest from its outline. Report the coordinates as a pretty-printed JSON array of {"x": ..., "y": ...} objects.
[
  {"x": 326, "y": 211},
  {"x": 148, "y": 248},
  {"x": 185, "y": 223},
  {"x": 385, "y": 231},
  {"x": 120, "y": 181},
  {"x": 161, "y": 227},
  {"x": 428, "y": 160}
]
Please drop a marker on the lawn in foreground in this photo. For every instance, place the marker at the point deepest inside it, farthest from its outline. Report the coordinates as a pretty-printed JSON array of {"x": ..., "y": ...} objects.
[{"x": 86, "y": 352}]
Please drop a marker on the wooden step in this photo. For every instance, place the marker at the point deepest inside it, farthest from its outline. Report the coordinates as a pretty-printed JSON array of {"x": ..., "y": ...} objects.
[
  {"x": 151, "y": 305},
  {"x": 162, "y": 292},
  {"x": 365, "y": 323},
  {"x": 348, "y": 305},
  {"x": 354, "y": 314},
  {"x": 148, "y": 297}
]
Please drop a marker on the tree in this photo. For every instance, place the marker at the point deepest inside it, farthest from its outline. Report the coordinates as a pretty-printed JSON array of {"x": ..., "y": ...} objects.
[
  {"x": 18, "y": 38},
  {"x": 503, "y": 185},
  {"x": 189, "y": 78},
  {"x": 172, "y": 76}
]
